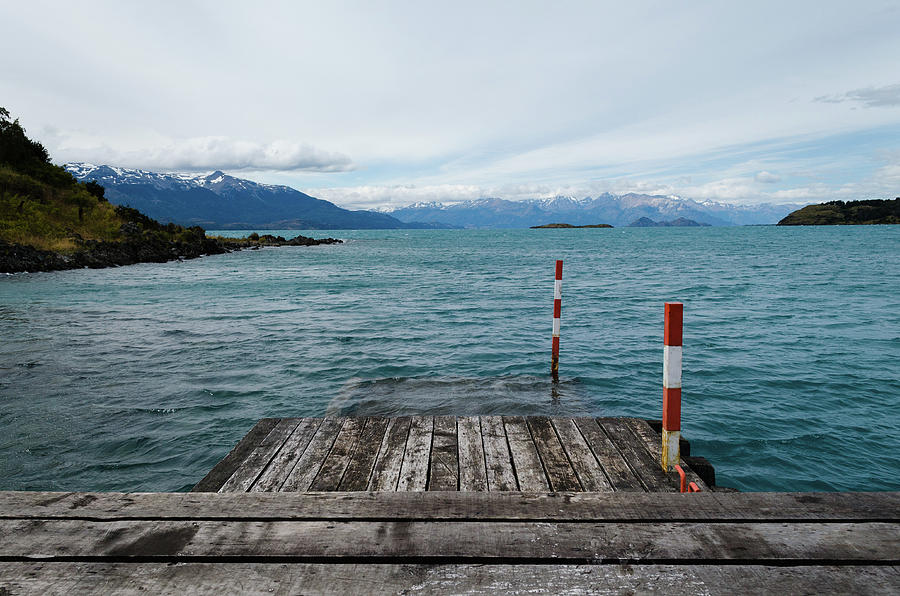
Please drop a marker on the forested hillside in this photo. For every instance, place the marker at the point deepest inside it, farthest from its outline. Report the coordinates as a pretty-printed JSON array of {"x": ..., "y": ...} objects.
[{"x": 872, "y": 211}]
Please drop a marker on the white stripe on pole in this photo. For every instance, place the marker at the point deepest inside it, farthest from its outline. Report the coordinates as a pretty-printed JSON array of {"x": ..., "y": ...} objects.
[
  {"x": 557, "y": 290},
  {"x": 672, "y": 367},
  {"x": 671, "y": 448},
  {"x": 555, "y": 327}
]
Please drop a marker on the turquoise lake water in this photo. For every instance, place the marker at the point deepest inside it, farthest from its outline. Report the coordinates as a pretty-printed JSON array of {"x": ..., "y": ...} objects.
[{"x": 141, "y": 378}]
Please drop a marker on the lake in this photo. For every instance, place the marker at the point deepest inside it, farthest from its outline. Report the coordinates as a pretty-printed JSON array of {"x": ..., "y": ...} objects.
[{"x": 141, "y": 378}]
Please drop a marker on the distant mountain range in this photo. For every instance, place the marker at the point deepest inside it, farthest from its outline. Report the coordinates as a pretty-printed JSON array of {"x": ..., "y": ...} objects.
[
  {"x": 617, "y": 210},
  {"x": 220, "y": 201}
]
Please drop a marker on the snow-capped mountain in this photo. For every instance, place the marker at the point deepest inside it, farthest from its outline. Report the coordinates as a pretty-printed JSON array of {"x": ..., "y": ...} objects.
[
  {"x": 617, "y": 210},
  {"x": 217, "y": 200}
]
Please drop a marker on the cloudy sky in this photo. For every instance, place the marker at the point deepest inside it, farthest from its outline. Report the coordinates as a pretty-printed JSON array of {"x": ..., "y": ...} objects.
[{"x": 379, "y": 104}]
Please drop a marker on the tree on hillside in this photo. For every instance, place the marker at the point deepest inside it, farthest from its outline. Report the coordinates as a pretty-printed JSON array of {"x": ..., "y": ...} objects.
[
  {"x": 16, "y": 149},
  {"x": 96, "y": 190}
]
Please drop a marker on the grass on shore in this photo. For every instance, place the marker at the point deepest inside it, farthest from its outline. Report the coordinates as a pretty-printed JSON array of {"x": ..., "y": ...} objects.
[{"x": 52, "y": 217}]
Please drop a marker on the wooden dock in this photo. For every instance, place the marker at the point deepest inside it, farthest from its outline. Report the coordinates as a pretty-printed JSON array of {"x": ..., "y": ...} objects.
[
  {"x": 449, "y": 542},
  {"x": 480, "y": 505},
  {"x": 447, "y": 453}
]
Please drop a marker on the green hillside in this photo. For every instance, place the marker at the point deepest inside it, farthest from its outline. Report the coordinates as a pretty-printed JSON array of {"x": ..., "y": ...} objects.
[
  {"x": 41, "y": 205},
  {"x": 873, "y": 211},
  {"x": 50, "y": 221}
]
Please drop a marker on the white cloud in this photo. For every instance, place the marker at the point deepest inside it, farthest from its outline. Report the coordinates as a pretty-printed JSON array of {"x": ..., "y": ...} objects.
[
  {"x": 803, "y": 193},
  {"x": 870, "y": 97},
  {"x": 393, "y": 196},
  {"x": 732, "y": 189},
  {"x": 463, "y": 100},
  {"x": 767, "y": 177},
  {"x": 390, "y": 197},
  {"x": 749, "y": 189},
  {"x": 380, "y": 197},
  {"x": 200, "y": 154}
]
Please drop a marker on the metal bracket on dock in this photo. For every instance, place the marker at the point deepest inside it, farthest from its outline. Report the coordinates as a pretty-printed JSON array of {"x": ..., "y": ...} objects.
[{"x": 691, "y": 487}]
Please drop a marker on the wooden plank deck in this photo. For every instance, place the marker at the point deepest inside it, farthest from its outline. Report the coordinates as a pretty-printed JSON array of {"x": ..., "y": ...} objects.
[
  {"x": 449, "y": 542},
  {"x": 479, "y": 505},
  {"x": 446, "y": 453}
]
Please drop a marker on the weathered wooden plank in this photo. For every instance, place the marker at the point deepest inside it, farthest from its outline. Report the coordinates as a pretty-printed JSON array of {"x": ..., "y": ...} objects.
[
  {"x": 614, "y": 465},
  {"x": 414, "y": 471},
  {"x": 472, "y": 471},
  {"x": 311, "y": 461},
  {"x": 497, "y": 457},
  {"x": 444, "y": 467},
  {"x": 386, "y": 474},
  {"x": 556, "y": 465},
  {"x": 338, "y": 458},
  {"x": 632, "y": 449},
  {"x": 526, "y": 461},
  {"x": 223, "y": 470},
  {"x": 363, "y": 457},
  {"x": 707, "y": 507},
  {"x": 762, "y": 542},
  {"x": 63, "y": 578},
  {"x": 806, "y": 579},
  {"x": 255, "y": 463},
  {"x": 287, "y": 457},
  {"x": 590, "y": 472},
  {"x": 652, "y": 442}
]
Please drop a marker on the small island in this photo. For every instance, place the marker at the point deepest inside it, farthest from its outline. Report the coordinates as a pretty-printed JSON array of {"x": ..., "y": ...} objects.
[
  {"x": 681, "y": 222},
  {"x": 565, "y": 225},
  {"x": 840, "y": 213},
  {"x": 49, "y": 221}
]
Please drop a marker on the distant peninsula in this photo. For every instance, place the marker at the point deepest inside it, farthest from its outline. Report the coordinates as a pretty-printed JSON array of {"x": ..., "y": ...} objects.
[
  {"x": 681, "y": 222},
  {"x": 50, "y": 221},
  {"x": 565, "y": 225},
  {"x": 840, "y": 213}
]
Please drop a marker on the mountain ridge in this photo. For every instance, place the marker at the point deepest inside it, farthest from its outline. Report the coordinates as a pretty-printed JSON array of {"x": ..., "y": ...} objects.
[
  {"x": 216, "y": 200},
  {"x": 618, "y": 210},
  {"x": 220, "y": 201}
]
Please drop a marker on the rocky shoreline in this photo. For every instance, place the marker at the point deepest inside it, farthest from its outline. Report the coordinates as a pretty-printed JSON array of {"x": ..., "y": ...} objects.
[{"x": 17, "y": 258}]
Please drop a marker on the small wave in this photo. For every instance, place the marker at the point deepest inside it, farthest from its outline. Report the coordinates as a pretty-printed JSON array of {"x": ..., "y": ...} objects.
[{"x": 513, "y": 394}]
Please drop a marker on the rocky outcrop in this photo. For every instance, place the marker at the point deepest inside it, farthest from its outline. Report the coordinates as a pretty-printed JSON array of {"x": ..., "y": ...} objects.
[{"x": 16, "y": 258}]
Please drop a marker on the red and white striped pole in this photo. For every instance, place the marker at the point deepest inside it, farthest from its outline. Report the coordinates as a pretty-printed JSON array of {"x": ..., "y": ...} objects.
[
  {"x": 557, "y": 310},
  {"x": 671, "y": 426}
]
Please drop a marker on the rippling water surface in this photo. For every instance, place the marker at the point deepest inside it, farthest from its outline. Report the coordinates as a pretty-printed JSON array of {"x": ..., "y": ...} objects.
[{"x": 140, "y": 378}]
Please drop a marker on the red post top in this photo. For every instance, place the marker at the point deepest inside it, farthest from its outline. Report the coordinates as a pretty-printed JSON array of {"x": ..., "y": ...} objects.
[
  {"x": 674, "y": 319},
  {"x": 559, "y": 269}
]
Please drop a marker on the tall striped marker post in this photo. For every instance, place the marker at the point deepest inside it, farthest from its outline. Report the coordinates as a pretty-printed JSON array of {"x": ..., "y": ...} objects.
[
  {"x": 671, "y": 427},
  {"x": 557, "y": 310}
]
